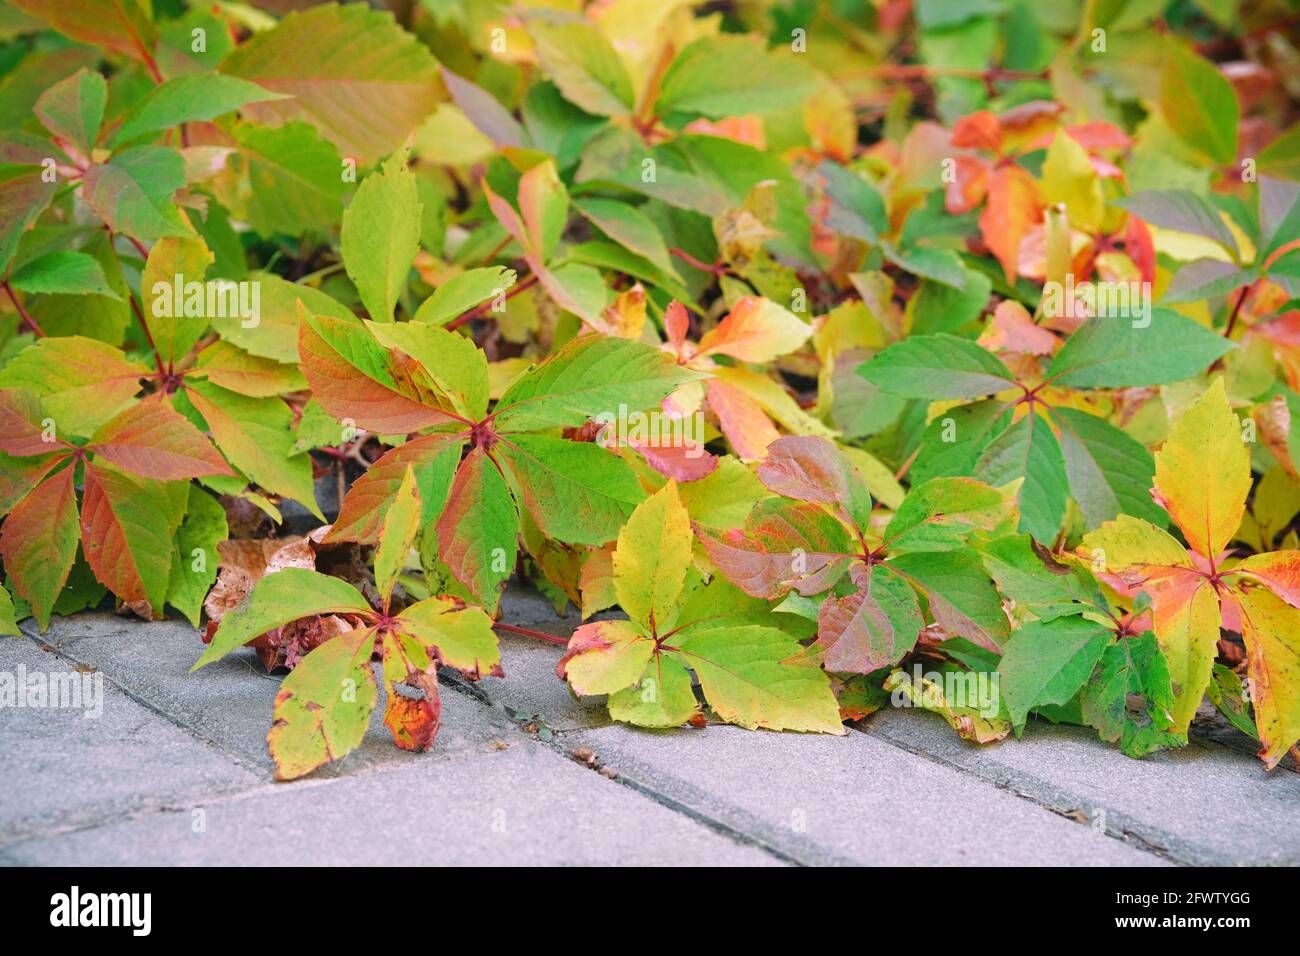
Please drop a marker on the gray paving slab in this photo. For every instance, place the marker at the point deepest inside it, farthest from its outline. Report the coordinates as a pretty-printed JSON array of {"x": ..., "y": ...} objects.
[
  {"x": 61, "y": 768},
  {"x": 523, "y": 806},
  {"x": 230, "y": 702},
  {"x": 1204, "y": 804},
  {"x": 853, "y": 799}
]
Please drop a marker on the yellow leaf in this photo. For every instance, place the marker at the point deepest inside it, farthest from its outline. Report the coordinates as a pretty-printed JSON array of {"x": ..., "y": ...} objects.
[
  {"x": 1203, "y": 472},
  {"x": 1129, "y": 542},
  {"x": 1068, "y": 177},
  {"x": 651, "y": 559},
  {"x": 1185, "y": 617},
  {"x": 1271, "y": 630}
]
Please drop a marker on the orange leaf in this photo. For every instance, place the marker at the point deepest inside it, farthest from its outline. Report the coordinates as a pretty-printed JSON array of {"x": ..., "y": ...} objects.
[{"x": 1011, "y": 212}]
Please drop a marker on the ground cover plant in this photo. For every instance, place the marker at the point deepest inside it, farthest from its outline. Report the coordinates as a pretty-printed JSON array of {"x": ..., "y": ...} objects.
[{"x": 826, "y": 355}]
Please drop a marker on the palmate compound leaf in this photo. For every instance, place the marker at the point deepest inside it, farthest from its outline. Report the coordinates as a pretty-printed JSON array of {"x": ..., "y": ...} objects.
[{"x": 752, "y": 674}]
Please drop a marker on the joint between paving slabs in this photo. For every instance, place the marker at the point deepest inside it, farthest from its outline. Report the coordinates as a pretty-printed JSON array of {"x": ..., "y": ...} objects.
[
  {"x": 553, "y": 741},
  {"x": 1125, "y": 831}
]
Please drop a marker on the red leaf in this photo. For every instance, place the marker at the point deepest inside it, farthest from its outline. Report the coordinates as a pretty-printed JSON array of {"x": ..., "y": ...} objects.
[
  {"x": 413, "y": 721},
  {"x": 677, "y": 461},
  {"x": 38, "y": 542},
  {"x": 806, "y": 468},
  {"x": 153, "y": 440},
  {"x": 978, "y": 130},
  {"x": 363, "y": 509},
  {"x": 968, "y": 186},
  {"x": 20, "y": 424}
]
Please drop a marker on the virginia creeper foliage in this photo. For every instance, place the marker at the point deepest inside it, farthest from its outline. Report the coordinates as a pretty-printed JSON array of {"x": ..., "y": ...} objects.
[{"x": 825, "y": 356}]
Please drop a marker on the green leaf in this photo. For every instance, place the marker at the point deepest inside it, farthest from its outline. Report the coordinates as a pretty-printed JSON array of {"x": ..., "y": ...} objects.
[
  {"x": 397, "y": 534},
  {"x": 461, "y": 293},
  {"x": 584, "y": 65},
  {"x": 1027, "y": 573},
  {"x": 133, "y": 192},
  {"x": 856, "y": 208},
  {"x": 605, "y": 657},
  {"x": 173, "y": 321},
  {"x": 1279, "y": 215},
  {"x": 1029, "y": 450},
  {"x": 455, "y": 364},
  {"x": 1124, "y": 353},
  {"x": 362, "y": 80},
  {"x": 727, "y": 75},
  {"x": 275, "y": 334},
  {"x": 186, "y": 99},
  {"x": 81, "y": 382},
  {"x": 1109, "y": 472},
  {"x": 938, "y": 265},
  {"x": 1132, "y": 670},
  {"x": 960, "y": 595},
  {"x": 277, "y": 599},
  {"x": 63, "y": 272},
  {"x": 127, "y": 524},
  {"x": 434, "y": 458},
  {"x": 591, "y": 375},
  {"x": 953, "y": 442},
  {"x": 8, "y": 617},
  {"x": 24, "y": 194},
  {"x": 194, "y": 557},
  {"x": 323, "y": 707},
  {"x": 1206, "y": 279},
  {"x": 1047, "y": 663},
  {"x": 381, "y": 235},
  {"x": 943, "y": 513},
  {"x": 38, "y": 542},
  {"x": 629, "y": 227},
  {"x": 73, "y": 109},
  {"x": 937, "y": 366},
  {"x": 577, "y": 492},
  {"x": 1199, "y": 104},
  {"x": 751, "y": 677},
  {"x": 295, "y": 181}
]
